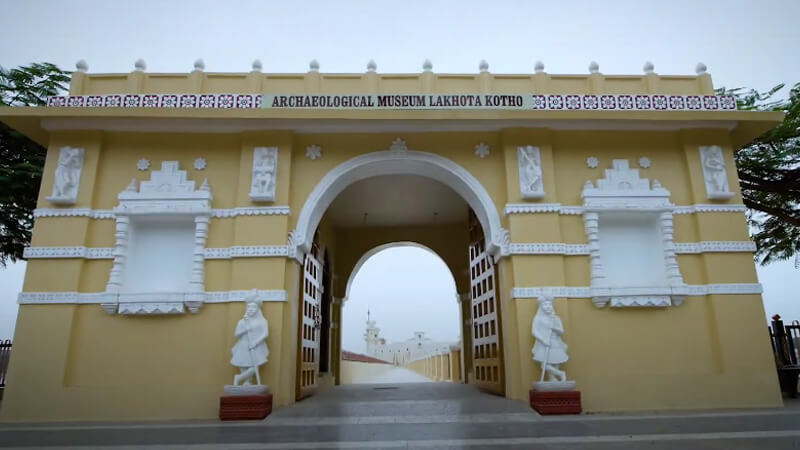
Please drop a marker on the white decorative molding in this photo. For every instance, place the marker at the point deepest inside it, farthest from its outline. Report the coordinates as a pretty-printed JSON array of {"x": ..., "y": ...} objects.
[
  {"x": 631, "y": 295},
  {"x": 215, "y": 213},
  {"x": 536, "y": 208},
  {"x": 398, "y": 145},
  {"x": 167, "y": 193},
  {"x": 715, "y": 247},
  {"x": 259, "y": 251},
  {"x": 644, "y": 162},
  {"x": 592, "y": 162},
  {"x": 147, "y": 302},
  {"x": 143, "y": 164},
  {"x": 68, "y": 252},
  {"x": 482, "y": 150},
  {"x": 549, "y": 249},
  {"x": 252, "y": 211},
  {"x": 704, "y": 208},
  {"x": 252, "y": 251},
  {"x": 265, "y": 170},
  {"x": 150, "y": 308},
  {"x": 714, "y": 173},
  {"x": 67, "y": 177},
  {"x": 200, "y": 164},
  {"x": 529, "y": 160},
  {"x": 622, "y": 190},
  {"x": 313, "y": 152},
  {"x": 412, "y": 162}
]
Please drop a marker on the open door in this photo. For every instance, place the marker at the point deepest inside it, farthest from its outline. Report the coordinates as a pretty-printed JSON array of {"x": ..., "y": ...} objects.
[
  {"x": 487, "y": 350},
  {"x": 309, "y": 324}
]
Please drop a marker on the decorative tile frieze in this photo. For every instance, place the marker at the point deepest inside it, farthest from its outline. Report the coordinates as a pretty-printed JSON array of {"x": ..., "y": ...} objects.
[
  {"x": 715, "y": 247},
  {"x": 547, "y": 102},
  {"x": 704, "y": 208}
]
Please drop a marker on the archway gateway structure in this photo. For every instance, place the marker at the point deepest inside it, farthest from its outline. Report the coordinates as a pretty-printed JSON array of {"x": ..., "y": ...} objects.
[{"x": 167, "y": 197}]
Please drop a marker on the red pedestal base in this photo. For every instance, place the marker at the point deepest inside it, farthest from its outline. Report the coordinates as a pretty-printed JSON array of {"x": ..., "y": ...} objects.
[
  {"x": 245, "y": 407},
  {"x": 556, "y": 402}
]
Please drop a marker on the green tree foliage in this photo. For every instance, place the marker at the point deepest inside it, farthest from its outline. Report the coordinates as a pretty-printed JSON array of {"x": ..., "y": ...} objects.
[
  {"x": 769, "y": 173},
  {"x": 21, "y": 159}
]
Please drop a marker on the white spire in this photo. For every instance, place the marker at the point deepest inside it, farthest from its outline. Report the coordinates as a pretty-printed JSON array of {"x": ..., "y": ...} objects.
[
  {"x": 371, "y": 66},
  {"x": 199, "y": 65},
  {"x": 140, "y": 65},
  {"x": 427, "y": 66},
  {"x": 313, "y": 66},
  {"x": 538, "y": 67},
  {"x": 257, "y": 65},
  {"x": 81, "y": 66}
]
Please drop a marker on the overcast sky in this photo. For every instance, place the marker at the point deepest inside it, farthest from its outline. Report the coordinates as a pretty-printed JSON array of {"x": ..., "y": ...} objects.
[{"x": 743, "y": 43}]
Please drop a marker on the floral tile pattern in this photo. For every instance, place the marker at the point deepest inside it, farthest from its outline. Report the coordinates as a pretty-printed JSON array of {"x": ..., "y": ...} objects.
[{"x": 552, "y": 102}]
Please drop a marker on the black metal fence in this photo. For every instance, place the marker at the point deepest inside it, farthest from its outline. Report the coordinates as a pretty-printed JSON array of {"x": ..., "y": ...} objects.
[
  {"x": 785, "y": 342},
  {"x": 5, "y": 353},
  {"x": 786, "y": 346}
]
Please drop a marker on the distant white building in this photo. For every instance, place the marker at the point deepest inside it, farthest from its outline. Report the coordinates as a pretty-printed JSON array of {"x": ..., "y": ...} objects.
[{"x": 400, "y": 352}]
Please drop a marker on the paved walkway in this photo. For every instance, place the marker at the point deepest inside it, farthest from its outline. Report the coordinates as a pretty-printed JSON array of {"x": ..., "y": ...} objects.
[
  {"x": 399, "y": 375},
  {"x": 427, "y": 416}
]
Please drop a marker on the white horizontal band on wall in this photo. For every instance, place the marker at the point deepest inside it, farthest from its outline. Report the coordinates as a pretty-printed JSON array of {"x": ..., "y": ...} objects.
[
  {"x": 251, "y": 251},
  {"x": 92, "y": 298},
  {"x": 109, "y": 214},
  {"x": 695, "y": 290},
  {"x": 537, "y": 208},
  {"x": 269, "y": 251},
  {"x": 680, "y": 248}
]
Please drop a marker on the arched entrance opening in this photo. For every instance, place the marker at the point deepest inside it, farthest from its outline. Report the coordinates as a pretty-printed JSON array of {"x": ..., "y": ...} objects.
[
  {"x": 400, "y": 196},
  {"x": 401, "y": 308}
]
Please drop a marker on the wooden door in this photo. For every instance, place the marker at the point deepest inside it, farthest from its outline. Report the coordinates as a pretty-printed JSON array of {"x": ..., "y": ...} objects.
[
  {"x": 487, "y": 350},
  {"x": 309, "y": 333}
]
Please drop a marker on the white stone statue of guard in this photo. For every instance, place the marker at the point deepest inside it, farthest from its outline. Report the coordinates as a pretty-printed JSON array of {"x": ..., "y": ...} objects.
[
  {"x": 549, "y": 350},
  {"x": 250, "y": 350}
]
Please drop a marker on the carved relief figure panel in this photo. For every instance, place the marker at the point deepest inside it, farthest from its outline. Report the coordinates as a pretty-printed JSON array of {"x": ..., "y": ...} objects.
[
  {"x": 714, "y": 173},
  {"x": 265, "y": 169},
  {"x": 67, "y": 176},
  {"x": 530, "y": 172}
]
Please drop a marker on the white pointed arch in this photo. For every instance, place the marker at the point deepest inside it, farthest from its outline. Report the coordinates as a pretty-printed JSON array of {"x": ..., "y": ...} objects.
[
  {"x": 375, "y": 250},
  {"x": 399, "y": 162}
]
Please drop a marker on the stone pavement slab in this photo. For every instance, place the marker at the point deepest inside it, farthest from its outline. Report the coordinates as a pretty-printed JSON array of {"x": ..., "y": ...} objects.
[{"x": 429, "y": 415}]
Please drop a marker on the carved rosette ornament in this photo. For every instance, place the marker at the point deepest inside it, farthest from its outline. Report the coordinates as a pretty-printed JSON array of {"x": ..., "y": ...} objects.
[
  {"x": 67, "y": 177},
  {"x": 530, "y": 172},
  {"x": 714, "y": 173},
  {"x": 265, "y": 169}
]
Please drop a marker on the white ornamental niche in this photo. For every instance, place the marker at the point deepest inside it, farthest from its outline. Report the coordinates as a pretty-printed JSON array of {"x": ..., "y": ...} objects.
[
  {"x": 162, "y": 226},
  {"x": 714, "y": 173},
  {"x": 529, "y": 159},
  {"x": 67, "y": 176},
  {"x": 265, "y": 169},
  {"x": 630, "y": 233}
]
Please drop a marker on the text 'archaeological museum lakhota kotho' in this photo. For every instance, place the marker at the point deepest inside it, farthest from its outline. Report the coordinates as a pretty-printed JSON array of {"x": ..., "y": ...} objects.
[{"x": 171, "y": 201}]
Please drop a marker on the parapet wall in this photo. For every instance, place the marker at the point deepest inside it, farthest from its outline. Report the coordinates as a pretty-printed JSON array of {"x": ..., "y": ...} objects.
[{"x": 371, "y": 82}]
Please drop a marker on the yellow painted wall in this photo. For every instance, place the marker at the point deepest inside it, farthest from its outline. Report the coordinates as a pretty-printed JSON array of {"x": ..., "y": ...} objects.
[{"x": 710, "y": 352}]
